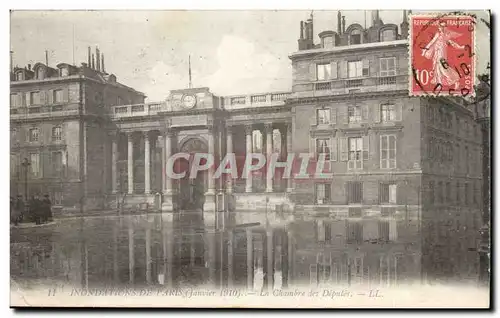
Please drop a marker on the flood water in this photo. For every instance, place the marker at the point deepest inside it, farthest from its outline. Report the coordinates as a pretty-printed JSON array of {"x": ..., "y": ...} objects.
[{"x": 150, "y": 250}]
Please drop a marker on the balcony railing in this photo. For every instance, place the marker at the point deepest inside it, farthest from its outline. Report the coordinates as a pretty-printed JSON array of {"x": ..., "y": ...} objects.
[
  {"x": 43, "y": 111},
  {"x": 344, "y": 86},
  {"x": 258, "y": 100},
  {"x": 138, "y": 109}
]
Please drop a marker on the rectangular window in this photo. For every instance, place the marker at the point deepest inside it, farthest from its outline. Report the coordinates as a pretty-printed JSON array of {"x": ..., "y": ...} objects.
[
  {"x": 387, "y": 35},
  {"x": 388, "y": 66},
  {"x": 354, "y": 114},
  {"x": 35, "y": 98},
  {"x": 387, "y": 152},
  {"x": 323, "y": 71},
  {"x": 323, "y": 147},
  {"x": 355, "y": 153},
  {"x": 459, "y": 195},
  {"x": 323, "y": 191},
  {"x": 57, "y": 133},
  {"x": 324, "y": 231},
  {"x": 388, "y": 113},
  {"x": 57, "y": 163},
  {"x": 35, "y": 164},
  {"x": 354, "y": 232},
  {"x": 354, "y": 192},
  {"x": 15, "y": 100},
  {"x": 387, "y": 193},
  {"x": 34, "y": 134},
  {"x": 14, "y": 167},
  {"x": 323, "y": 116},
  {"x": 19, "y": 76},
  {"x": 58, "y": 96},
  {"x": 355, "y": 69}
]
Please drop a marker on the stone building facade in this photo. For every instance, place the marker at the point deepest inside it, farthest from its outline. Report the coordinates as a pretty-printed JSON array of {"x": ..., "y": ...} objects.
[{"x": 404, "y": 170}]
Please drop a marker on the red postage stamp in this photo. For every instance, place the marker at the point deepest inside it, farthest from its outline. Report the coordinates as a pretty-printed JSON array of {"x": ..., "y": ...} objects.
[{"x": 442, "y": 57}]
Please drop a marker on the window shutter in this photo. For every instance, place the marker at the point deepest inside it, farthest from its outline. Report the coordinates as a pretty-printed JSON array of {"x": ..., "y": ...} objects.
[
  {"x": 343, "y": 69},
  {"x": 43, "y": 97},
  {"x": 342, "y": 114},
  {"x": 343, "y": 149},
  {"x": 28, "y": 98},
  {"x": 50, "y": 97},
  {"x": 313, "y": 274},
  {"x": 366, "y": 67},
  {"x": 333, "y": 149},
  {"x": 66, "y": 95},
  {"x": 312, "y": 71},
  {"x": 333, "y": 114},
  {"x": 328, "y": 235},
  {"x": 334, "y": 70},
  {"x": 376, "y": 113},
  {"x": 366, "y": 147},
  {"x": 312, "y": 146},
  {"x": 393, "y": 231},
  {"x": 393, "y": 193},
  {"x": 364, "y": 112},
  {"x": 399, "y": 112}
]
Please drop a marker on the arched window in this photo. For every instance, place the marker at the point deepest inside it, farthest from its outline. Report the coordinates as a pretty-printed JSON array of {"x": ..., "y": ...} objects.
[
  {"x": 328, "y": 42},
  {"x": 387, "y": 35},
  {"x": 40, "y": 73},
  {"x": 19, "y": 76},
  {"x": 64, "y": 71},
  {"x": 355, "y": 37}
]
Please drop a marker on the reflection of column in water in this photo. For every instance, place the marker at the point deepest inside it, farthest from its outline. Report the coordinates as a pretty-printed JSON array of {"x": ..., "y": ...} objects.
[
  {"x": 258, "y": 273},
  {"x": 115, "y": 254},
  {"x": 148, "y": 253},
  {"x": 131, "y": 259},
  {"x": 230, "y": 259},
  {"x": 270, "y": 258},
  {"x": 250, "y": 254}
]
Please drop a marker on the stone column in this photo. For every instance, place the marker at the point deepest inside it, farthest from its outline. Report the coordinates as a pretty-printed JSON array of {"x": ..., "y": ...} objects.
[
  {"x": 249, "y": 259},
  {"x": 229, "y": 149},
  {"x": 268, "y": 128},
  {"x": 147, "y": 164},
  {"x": 209, "y": 205},
  {"x": 168, "y": 252},
  {"x": 167, "y": 188},
  {"x": 115, "y": 253},
  {"x": 114, "y": 159},
  {"x": 289, "y": 184},
  {"x": 168, "y": 152},
  {"x": 211, "y": 151},
  {"x": 130, "y": 162},
  {"x": 248, "y": 131}
]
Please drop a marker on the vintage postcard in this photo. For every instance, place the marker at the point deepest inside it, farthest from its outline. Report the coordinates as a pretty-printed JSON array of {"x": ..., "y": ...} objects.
[{"x": 273, "y": 159}]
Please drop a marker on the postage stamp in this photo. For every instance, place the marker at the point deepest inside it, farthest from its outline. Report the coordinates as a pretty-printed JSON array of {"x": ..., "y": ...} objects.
[{"x": 442, "y": 55}]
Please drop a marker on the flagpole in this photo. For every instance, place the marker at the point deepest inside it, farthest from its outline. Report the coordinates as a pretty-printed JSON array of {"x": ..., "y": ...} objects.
[{"x": 190, "y": 83}]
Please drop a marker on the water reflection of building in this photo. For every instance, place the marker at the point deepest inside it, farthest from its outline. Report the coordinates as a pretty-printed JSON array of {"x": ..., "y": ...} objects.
[{"x": 404, "y": 197}]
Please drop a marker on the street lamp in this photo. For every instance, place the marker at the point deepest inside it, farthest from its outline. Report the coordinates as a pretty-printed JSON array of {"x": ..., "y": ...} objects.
[{"x": 26, "y": 164}]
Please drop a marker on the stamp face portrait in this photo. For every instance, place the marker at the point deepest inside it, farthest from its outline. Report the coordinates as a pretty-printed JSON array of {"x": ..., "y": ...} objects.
[{"x": 442, "y": 54}]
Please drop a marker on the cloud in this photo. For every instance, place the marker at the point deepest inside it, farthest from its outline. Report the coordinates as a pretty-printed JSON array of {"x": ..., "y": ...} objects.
[{"x": 242, "y": 68}]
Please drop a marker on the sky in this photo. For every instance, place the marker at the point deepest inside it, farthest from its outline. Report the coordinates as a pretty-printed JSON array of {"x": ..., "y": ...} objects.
[{"x": 232, "y": 52}]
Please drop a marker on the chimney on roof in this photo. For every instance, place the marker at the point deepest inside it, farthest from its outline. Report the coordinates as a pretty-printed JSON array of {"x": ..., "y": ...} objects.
[
  {"x": 301, "y": 30},
  {"x": 375, "y": 17},
  {"x": 98, "y": 59},
  {"x": 343, "y": 24},
  {"x": 339, "y": 22},
  {"x": 29, "y": 67},
  {"x": 46, "y": 57},
  {"x": 102, "y": 62},
  {"x": 404, "y": 25},
  {"x": 89, "y": 61},
  {"x": 93, "y": 62}
]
